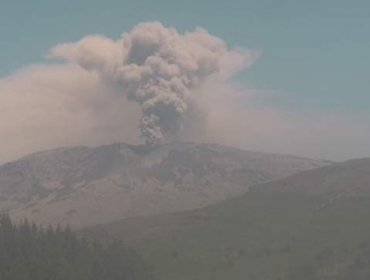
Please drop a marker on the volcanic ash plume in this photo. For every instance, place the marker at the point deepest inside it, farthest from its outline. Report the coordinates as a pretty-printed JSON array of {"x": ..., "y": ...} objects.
[{"x": 158, "y": 68}]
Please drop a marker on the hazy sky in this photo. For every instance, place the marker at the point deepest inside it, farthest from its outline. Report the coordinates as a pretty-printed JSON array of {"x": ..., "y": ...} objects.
[{"x": 314, "y": 54}]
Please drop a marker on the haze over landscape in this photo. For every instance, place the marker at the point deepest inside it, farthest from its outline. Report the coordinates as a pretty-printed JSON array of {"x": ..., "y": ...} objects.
[
  {"x": 83, "y": 83},
  {"x": 181, "y": 140}
]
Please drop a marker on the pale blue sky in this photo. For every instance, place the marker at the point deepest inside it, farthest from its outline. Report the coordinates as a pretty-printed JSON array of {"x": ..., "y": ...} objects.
[{"x": 315, "y": 53}]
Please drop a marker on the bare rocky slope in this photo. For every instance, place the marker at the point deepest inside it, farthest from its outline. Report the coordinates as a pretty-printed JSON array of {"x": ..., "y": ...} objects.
[{"x": 83, "y": 186}]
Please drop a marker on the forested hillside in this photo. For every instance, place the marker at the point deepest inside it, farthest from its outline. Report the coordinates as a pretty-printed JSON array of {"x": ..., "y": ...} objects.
[{"x": 28, "y": 252}]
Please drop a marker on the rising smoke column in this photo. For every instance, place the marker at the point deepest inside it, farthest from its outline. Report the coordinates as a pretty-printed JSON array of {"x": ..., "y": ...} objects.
[{"x": 158, "y": 68}]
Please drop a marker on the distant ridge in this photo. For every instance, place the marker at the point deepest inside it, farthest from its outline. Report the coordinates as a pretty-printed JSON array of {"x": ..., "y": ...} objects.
[
  {"x": 85, "y": 186},
  {"x": 351, "y": 177},
  {"x": 313, "y": 225}
]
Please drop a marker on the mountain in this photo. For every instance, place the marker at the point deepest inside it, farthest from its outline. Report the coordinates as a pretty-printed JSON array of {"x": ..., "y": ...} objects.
[
  {"x": 310, "y": 226},
  {"x": 85, "y": 186},
  {"x": 350, "y": 178}
]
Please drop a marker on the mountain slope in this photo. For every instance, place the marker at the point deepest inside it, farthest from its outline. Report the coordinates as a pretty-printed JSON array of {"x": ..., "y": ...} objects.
[
  {"x": 313, "y": 225},
  {"x": 350, "y": 178},
  {"x": 85, "y": 186}
]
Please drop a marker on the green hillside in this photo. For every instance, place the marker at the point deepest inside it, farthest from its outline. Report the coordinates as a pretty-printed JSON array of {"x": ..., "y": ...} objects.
[{"x": 289, "y": 233}]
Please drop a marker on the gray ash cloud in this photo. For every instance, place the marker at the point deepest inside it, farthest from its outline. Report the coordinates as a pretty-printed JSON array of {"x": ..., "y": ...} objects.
[{"x": 159, "y": 69}]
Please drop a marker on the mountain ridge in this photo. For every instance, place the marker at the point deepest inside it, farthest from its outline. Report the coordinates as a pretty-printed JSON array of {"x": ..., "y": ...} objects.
[
  {"x": 88, "y": 185},
  {"x": 350, "y": 176},
  {"x": 291, "y": 228}
]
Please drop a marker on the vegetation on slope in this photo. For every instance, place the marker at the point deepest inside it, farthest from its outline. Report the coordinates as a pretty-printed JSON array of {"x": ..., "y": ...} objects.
[
  {"x": 28, "y": 252},
  {"x": 277, "y": 236},
  {"x": 287, "y": 230}
]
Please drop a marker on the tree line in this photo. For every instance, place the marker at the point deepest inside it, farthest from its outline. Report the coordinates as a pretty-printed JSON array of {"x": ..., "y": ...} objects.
[{"x": 30, "y": 252}]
